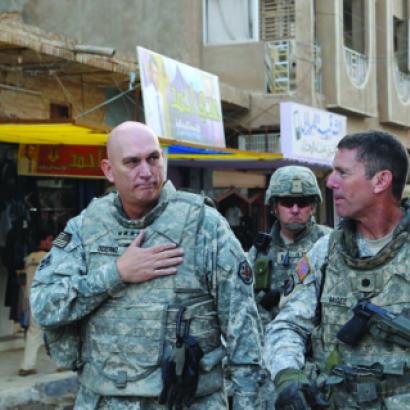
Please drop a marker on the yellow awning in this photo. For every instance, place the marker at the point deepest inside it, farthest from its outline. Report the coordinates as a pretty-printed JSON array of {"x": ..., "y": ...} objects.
[
  {"x": 79, "y": 134},
  {"x": 57, "y": 134},
  {"x": 52, "y": 134}
]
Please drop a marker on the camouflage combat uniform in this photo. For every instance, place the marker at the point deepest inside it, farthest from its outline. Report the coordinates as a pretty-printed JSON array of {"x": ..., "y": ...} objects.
[
  {"x": 128, "y": 330},
  {"x": 275, "y": 260},
  {"x": 343, "y": 265},
  {"x": 283, "y": 258}
]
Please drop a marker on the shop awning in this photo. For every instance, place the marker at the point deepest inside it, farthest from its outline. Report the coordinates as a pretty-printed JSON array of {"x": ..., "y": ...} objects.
[
  {"x": 52, "y": 134},
  {"x": 178, "y": 151},
  {"x": 68, "y": 133}
]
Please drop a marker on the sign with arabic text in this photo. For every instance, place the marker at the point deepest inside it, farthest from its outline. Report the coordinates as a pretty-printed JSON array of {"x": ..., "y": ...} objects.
[
  {"x": 308, "y": 134},
  {"x": 81, "y": 161},
  {"x": 180, "y": 101}
]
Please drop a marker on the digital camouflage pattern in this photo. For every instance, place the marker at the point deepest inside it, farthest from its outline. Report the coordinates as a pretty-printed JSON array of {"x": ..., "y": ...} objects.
[
  {"x": 279, "y": 258},
  {"x": 89, "y": 400},
  {"x": 352, "y": 273},
  {"x": 129, "y": 329},
  {"x": 283, "y": 257},
  {"x": 292, "y": 180}
]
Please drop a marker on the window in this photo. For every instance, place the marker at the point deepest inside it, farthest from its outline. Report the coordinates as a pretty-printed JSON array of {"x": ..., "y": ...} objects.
[
  {"x": 401, "y": 43},
  {"x": 266, "y": 142},
  {"x": 277, "y": 19},
  {"x": 354, "y": 25},
  {"x": 230, "y": 21},
  {"x": 60, "y": 111}
]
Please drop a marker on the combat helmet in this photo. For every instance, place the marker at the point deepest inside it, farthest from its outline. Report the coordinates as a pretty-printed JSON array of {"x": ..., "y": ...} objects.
[{"x": 293, "y": 180}]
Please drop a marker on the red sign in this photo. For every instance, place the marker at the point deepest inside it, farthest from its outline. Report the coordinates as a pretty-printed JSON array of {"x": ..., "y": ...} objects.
[{"x": 61, "y": 160}]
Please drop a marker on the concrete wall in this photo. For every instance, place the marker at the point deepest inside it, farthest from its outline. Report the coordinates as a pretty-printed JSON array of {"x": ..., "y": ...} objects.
[
  {"x": 340, "y": 92},
  {"x": 172, "y": 28},
  {"x": 21, "y": 105},
  {"x": 240, "y": 65},
  {"x": 392, "y": 109}
]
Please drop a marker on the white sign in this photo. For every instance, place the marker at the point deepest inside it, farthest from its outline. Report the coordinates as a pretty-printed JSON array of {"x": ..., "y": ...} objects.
[{"x": 309, "y": 134}]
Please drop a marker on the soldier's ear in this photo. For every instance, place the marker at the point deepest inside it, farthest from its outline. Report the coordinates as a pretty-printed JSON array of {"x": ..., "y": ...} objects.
[
  {"x": 382, "y": 181},
  {"x": 107, "y": 170}
]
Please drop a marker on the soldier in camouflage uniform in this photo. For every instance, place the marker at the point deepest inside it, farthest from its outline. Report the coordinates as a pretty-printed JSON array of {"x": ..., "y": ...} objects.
[
  {"x": 132, "y": 265},
  {"x": 292, "y": 196},
  {"x": 365, "y": 364}
]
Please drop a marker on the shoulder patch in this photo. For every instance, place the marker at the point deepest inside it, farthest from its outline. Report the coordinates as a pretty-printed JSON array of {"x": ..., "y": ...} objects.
[
  {"x": 245, "y": 273},
  {"x": 303, "y": 268},
  {"x": 62, "y": 240}
]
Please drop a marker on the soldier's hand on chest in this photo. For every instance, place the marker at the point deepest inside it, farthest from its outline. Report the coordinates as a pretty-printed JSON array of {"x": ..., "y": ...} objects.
[{"x": 142, "y": 264}]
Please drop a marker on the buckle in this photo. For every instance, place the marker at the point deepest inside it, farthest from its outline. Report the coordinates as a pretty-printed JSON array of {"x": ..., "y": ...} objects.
[{"x": 121, "y": 380}]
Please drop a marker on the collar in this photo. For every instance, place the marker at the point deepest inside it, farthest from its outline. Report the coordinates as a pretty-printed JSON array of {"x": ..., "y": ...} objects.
[{"x": 168, "y": 192}]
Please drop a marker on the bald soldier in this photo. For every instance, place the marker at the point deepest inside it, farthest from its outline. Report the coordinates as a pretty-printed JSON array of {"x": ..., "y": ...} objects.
[{"x": 139, "y": 288}]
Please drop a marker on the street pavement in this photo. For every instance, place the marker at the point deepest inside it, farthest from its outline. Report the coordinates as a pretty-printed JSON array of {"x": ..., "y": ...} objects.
[{"x": 46, "y": 390}]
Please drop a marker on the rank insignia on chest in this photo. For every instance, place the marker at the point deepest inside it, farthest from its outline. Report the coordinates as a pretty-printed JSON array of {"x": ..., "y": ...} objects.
[
  {"x": 62, "y": 240},
  {"x": 303, "y": 268},
  {"x": 245, "y": 273}
]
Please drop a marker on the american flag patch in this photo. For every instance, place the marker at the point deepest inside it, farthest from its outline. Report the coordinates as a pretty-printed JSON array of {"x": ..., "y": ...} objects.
[{"x": 62, "y": 239}]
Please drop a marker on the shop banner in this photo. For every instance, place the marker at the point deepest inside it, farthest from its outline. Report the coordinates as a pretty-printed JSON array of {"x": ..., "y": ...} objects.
[
  {"x": 79, "y": 161},
  {"x": 308, "y": 134},
  {"x": 180, "y": 101}
]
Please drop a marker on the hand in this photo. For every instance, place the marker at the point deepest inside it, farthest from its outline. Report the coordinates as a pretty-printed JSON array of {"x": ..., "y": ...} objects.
[
  {"x": 291, "y": 398},
  {"x": 295, "y": 392},
  {"x": 288, "y": 385},
  {"x": 142, "y": 264}
]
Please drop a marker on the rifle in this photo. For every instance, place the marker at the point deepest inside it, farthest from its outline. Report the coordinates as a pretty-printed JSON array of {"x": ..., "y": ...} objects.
[{"x": 381, "y": 323}]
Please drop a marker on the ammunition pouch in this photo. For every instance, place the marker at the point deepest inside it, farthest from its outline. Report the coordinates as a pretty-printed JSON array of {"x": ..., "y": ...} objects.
[
  {"x": 63, "y": 345},
  {"x": 263, "y": 274},
  {"x": 367, "y": 384}
]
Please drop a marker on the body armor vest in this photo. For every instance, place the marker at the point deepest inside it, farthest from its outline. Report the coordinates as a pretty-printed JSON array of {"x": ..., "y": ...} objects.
[
  {"x": 282, "y": 259},
  {"x": 385, "y": 280},
  {"x": 285, "y": 257},
  {"x": 127, "y": 338}
]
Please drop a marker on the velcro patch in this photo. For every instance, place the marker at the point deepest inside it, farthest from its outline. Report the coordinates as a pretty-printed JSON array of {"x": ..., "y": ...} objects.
[
  {"x": 62, "y": 240},
  {"x": 303, "y": 268},
  {"x": 245, "y": 273}
]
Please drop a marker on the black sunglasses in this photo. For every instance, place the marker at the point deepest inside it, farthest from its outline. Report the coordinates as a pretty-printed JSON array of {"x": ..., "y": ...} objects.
[{"x": 301, "y": 201}]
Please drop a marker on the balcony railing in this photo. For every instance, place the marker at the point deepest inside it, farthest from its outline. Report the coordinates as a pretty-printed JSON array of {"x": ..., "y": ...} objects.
[
  {"x": 402, "y": 80},
  {"x": 357, "y": 66}
]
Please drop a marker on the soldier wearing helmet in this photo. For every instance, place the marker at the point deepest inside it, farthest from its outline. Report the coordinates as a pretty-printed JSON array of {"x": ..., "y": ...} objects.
[{"x": 292, "y": 196}]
